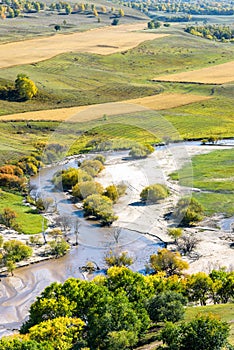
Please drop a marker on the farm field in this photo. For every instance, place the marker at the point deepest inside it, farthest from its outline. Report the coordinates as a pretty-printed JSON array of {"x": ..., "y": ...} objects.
[
  {"x": 88, "y": 113},
  {"x": 220, "y": 74},
  {"x": 103, "y": 41}
]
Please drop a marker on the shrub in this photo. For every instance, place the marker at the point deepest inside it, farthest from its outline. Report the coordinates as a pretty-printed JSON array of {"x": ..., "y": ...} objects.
[
  {"x": 112, "y": 193},
  {"x": 84, "y": 189},
  {"x": 141, "y": 151},
  {"x": 100, "y": 207},
  {"x": 188, "y": 211},
  {"x": 153, "y": 193}
]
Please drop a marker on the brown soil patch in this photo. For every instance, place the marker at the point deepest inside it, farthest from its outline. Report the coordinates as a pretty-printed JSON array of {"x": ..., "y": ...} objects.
[
  {"x": 220, "y": 74},
  {"x": 87, "y": 113},
  {"x": 103, "y": 41}
]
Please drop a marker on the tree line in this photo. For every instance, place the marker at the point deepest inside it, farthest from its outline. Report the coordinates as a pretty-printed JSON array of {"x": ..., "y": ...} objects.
[
  {"x": 212, "y": 32},
  {"x": 116, "y": 311}
]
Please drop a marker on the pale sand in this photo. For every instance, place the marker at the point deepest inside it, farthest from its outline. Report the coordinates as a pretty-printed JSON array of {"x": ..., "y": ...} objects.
[
  {"x": 103, "y": 41},
  {"x": 214, "y": 245},
  {"x": 87, "y": 113},
  {"x": 219, "y": 74}
]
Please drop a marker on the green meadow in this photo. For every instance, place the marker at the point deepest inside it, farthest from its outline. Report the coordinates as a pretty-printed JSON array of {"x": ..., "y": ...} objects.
[{"x": 28, "y": 221}]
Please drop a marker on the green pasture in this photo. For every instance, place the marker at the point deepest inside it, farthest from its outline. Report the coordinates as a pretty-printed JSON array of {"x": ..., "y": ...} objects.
[
  {"x": 213, "y": 173},
  {"x": 29, "y": 222}
]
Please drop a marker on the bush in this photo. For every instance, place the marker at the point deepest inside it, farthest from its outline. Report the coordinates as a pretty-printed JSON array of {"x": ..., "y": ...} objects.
[
  {"x": 188, "y": 211},
  {"x": 112, "y": 193},
  {"x": 25, "y": 88},
  {"x": 84, "y": 189},
  {"x": 140, "y": 151},
  {"x": 92, "y": 167},
  {"x": 118, "y": 259},
  {"x": 16, "y": 251},
  {"x": 70, "y": 177},
  {"x": 100, "y": 207},
  {"x": 153, "y": 193}
]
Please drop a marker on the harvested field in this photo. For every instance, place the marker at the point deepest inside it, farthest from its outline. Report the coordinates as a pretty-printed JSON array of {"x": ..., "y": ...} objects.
[
  {"x": 87, "y": 113},
  {"x": 220, "y": 74},
  {"x": 103, "y": 41}
]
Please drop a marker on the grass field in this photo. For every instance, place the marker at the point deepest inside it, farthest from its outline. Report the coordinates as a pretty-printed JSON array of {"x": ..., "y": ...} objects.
[
  {"x": 214, "y": 174},
  {"x": 29, "y": 222},
  {"x": 220, "y": 74},
  {"x": 75, "y": 79},
  {"x": 224, "y": 311},
  {"x": 88, "y": 113}
]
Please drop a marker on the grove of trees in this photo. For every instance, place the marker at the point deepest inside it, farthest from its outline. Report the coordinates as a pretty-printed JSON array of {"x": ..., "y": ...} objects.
[{"x": 114, "y": 311}]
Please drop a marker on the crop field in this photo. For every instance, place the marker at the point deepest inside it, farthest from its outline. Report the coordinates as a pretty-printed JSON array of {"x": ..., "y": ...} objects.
[
  {"x": 220, "y": 74},
  {"x": 103, "y": 41},
  {"x": 213, "y": 173},
  {"x": 87, "y": 113}
]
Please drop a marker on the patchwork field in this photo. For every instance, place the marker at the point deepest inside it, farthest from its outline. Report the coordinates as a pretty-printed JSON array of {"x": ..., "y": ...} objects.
[
  {"x": 87, "y": 113},
  {"x": 103, "y": 41},
  {"x": 218, "y": 74}
]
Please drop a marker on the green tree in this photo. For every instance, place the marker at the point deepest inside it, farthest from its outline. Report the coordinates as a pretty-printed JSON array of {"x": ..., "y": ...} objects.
[
  {"x": 61, "y": 332},
  {"x": 154, "y": 193},
  {"x": 121, "y": 340},
  {"x": 25, "y": 88},
  {"x": 9, "y": 343},
  {"x": 166, "y": 306},
  {"x": 10, "y": 265},
  {"x": 199, "y": 287},
  {"x": 203, "y": 333},
  {"x": 100, "y": 207},
  {"x": 169, "y": 262},
  {"x": 57, "y": 27}
]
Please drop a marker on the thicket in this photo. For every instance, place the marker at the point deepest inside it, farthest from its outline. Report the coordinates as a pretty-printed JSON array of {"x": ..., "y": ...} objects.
[
  {"x": 212, "y": 32},
  {"x": 115, "y": 311}
]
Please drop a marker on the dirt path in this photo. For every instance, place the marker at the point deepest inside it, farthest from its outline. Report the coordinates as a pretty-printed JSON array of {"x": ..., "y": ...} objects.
[
  {"x": 219, "y": 74},
  {"x": 103, "y": 41},
  {"x": 87, "y": 113}
]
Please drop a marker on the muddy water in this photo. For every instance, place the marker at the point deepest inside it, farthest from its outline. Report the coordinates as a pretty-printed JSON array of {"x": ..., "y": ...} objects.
[{"x": 18, "y": 292}]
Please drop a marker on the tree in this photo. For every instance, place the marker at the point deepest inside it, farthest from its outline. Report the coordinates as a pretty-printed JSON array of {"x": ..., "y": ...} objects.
[
  {"x": 154, "y": 193},
  {"x": 61, "y": 332},
  {"x": 1, "y": 241},
  {"x": 100, "y": 207},
  {"x": 121, "y": 13},
  {"x": 10, "y": 265},
  {"x": 203, "y": 333},
  {"x": 10, "y": 343},
  {"x": 25, "y": 88},
  {"x": 57, "y": 27},
  {"x": 167, "y": 261},
  {"x": 120, "y": 340},
  {"x": 115, "y": 22},
  {"x": 166, "y": 306},
  {"x": 199, "y": 287},
  {"x": 188, "y": 211},
  {"x": 187, "y": 243}
]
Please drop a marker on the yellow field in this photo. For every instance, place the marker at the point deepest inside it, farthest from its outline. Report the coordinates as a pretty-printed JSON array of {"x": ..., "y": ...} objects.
[
  {"x": 220, "y": 74},
  {"x": 103, "y": 41},
  {"x": 87, "y": 113}
]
